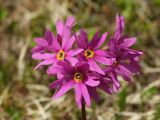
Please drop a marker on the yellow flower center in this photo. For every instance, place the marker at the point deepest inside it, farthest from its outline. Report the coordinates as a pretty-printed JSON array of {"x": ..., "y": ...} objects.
[
  {"x": 89, "y": 53},
  {"x": 60, "y": 55},
  {"x": 78, "y": 77}
]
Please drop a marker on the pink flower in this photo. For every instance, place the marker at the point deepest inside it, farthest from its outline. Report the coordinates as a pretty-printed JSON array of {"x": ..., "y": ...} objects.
[
  {"x": 91, "y": 51},
  {"x": 86, "y": 67},
  {"x": 59, "y": 48},
  {"x": 124, "y": 59},
  {"x": 106, "y": 85},
  {"x": 76, "y": 77},
  {"x": 46, "y": 43}
]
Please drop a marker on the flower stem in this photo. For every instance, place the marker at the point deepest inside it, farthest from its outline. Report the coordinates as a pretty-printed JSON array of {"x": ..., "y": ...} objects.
[{"x": 83, "y": 111}]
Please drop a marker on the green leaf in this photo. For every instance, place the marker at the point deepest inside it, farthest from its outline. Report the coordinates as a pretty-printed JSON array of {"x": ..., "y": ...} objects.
[
  {"x": 156, "y": 2},
  {"x": 3, "y": 14},
  {"x": 14, "y": 113},
  {"x": 147, "y": 94},
  {"x": 122, "y": 99},
  {"x": 91, "y": 32},
  {"x": 157, "y": 112}
]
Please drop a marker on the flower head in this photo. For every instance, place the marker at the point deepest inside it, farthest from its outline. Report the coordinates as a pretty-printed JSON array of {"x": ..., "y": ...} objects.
[
  {"x": 124, "y": 59},
  {"x": 106, "y": 85},
  {"x": 91, "y": 50},
  {"x": 43, "y": 44},
  {"x": 60, "y": 47},
  {"x": 46, "y": 43},
  {"x": 86, "y": 67},
  {"x": 76, "y": 77}
]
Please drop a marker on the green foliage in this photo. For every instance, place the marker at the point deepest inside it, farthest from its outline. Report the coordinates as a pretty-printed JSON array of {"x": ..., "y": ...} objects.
[
  {"x": 3, "y": 14},
  {"x": 127, "y": 7},
  {"x": 12, "y": 27},
  {"x": 5, "y": 73},
  {"x": 156, "y": 2},
  {"x": 32, "y": 43},
  {"x": 52, "y": 27},
  {"x": 157, "y": 113},
  {"x": 149, "y": 93},
  {"x": 122, "y": 99},
  {"x": 91, "y": 32},
  {"x": 37, "y": 25},
  {"x": 14, "y": 113}
]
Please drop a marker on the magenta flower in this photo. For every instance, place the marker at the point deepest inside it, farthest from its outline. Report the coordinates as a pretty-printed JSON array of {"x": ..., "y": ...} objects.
[
  {"x": 111, "y": 76},
  {"x": 119, "y": 42},
  {"x": 124, "y": 59},
  {"x": 60, "y": 49},
  {"x": 86, "y": 67},
  {"x": 77, "y": 77},
  {"x": 106, "y": 84},
  {"x": 46, "y": 43},
  {"x": 91, "y": 52},
  {"x": 43, "y": 43}
]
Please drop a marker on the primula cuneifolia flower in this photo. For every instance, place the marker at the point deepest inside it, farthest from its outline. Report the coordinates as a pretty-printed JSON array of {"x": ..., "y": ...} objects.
[
  {"x": 92, "y": 52},
  {"x": 83, "y": 65},
  {"x": 125, "y": 60},
  {"x": 77, "y": 77},
  {"x": 60, "y": 47}
]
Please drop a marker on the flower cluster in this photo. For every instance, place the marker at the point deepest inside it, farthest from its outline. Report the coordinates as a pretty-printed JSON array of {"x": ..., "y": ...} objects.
[{"x": 82, "y": 64}]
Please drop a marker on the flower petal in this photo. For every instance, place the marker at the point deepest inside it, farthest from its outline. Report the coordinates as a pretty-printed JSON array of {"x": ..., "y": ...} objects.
[
  {"x": 115, "y": 88},
  {"x": 69, "y": 43},
  {"x": 116, "y": 84},
  {"x": 119, "y": 26},
  {"x": 123, "y": 72},
  {"x": 36, "y": 49},
  {"x": 49, "y": 36},
  {"x": 81, "y": 58},
  {"x": 129, "y": 54},
  {"x": 115, "y": 80},
  {"x": 93, "y": 93},
  {"x": 119, "y": 23},
  {"x": 82, "y": 40},
  {"x": 103, "y": 60},
  {"x": 91, "y": 82},
  {"x": 101, "y": 41},
  {"x": 65, "y": 37},
  {"x": 94, "y": 67},
  {"x": 66, "y": 66},
  {"x": 133, "y": 67},
  {"x": 41, "y": 42},
  {"x": 85, "y": 94},
  {"x": 45, "y": 62},
  {"x": 101, "y": 53},
  {"x": 105, "y": 87},
  {"x": 69, "y": 21},
  {"x": 72, "y": 60},
  {"x": 112, "y": 44},
  {"x": 55, "y": 44},
  {"x": 41, "y": 56},
  {"x": 128, "y": 42},
  {"x": 78, "y": 95},
  {"x": 54, "y": 69},
  {"x": 59, "y": 27},
  {"x": 94, "y": 41},
  {"x": 74, "y": 52},
  {"x": 83, "y": 67},
  {"x": 55, "y": 84},
  {"x": 65, "y": 88}
]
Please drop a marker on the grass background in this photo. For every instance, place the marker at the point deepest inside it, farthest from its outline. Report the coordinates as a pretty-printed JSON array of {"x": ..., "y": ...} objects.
[{"x": 24, "y": 93}]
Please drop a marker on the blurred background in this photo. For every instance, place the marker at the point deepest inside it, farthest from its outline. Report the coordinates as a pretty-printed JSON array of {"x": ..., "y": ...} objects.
[{"x": 24, "y": 93}]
